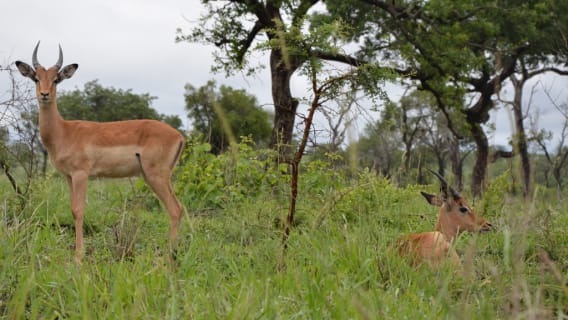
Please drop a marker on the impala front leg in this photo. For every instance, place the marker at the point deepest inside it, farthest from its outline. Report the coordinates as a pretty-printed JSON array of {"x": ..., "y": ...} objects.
[{"x": 78, "y": 190}]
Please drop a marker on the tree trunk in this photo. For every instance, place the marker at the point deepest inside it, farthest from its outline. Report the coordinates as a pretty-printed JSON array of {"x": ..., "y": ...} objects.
[
  {"x": 285, "y": 106},
  {"x": 521, "y": 137},
  {"x": 404, "y": 164},
  {"x": 441, "y": 165},
  {"x": 558, "y": 178},
  {"x": 523, "y": 152},
  {"x": 456, "y": 163},
  {"x": 405, "y": 161},
  {"x": 475, "y": 117},
  {"x": 480, "y": 167}
]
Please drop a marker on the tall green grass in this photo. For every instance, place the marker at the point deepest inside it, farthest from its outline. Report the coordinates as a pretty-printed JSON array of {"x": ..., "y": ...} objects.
[{"x": 339, "y": 264}]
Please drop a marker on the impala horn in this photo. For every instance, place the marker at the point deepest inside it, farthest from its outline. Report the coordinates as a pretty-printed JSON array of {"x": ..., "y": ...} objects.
[
  {"x": 59, "y": 62},
  {"x": 445, "y": 186},
  {"x": 35, "y": 63}
]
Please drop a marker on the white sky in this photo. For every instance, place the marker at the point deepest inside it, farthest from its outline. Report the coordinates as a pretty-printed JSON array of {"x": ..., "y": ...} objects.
[
  {"x": 126, "y": 44},
  {"x": 130, "y": 44}
]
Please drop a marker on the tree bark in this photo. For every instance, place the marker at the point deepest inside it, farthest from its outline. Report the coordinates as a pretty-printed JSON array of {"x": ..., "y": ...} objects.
[
  {"x": 441, "y": 164},
  {"x": 480, "y": 167},
  {"x": 456, "y": 163},
  {"x": 285, "y": 106},
  {"x": 522, "y": 147},
  {"x": 521, "y": 137}
]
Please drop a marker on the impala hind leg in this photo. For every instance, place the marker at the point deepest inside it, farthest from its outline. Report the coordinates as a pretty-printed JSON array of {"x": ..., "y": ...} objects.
[
  {"x": 78, "y": 190},
  {"x": 162, "y": 187},
  {"x": 159, "y": 181}
]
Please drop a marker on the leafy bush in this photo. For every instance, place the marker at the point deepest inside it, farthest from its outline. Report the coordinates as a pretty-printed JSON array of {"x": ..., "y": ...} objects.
[
  {"x": 495, "y": 195},
  {"x": 205, "y": 181}
]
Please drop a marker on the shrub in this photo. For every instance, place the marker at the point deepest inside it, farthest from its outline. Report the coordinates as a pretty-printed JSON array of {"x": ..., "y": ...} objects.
[{"x": 205, "y": 181}]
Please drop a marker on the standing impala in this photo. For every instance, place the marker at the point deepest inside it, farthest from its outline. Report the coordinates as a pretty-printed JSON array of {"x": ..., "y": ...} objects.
[
  {"x": 83, "y": 149},
  {"x": 455, "y": 216}
]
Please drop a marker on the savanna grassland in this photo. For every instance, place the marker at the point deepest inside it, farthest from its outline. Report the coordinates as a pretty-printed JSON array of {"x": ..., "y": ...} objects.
[{"x": 339, "y": 264}]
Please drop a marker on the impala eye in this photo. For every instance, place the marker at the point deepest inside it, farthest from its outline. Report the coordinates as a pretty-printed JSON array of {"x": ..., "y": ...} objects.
[{"x": 464, "y": 209}]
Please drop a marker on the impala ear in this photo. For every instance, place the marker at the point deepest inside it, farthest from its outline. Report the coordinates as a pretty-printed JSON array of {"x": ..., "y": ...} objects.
[
  {"x": 26, "y": 70},
  {"x": 432, "y": 199},
  {"x": 67, "y": 72}
]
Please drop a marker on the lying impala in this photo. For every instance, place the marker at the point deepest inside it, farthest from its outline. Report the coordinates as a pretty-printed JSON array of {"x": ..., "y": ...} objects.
[
  {"x": 455, "y": 216},
  {"x": 83, "y": 149}
]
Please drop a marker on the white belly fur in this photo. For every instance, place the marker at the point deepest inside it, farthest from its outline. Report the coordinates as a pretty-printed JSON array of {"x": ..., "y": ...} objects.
[{"x": 116, "y": 161}]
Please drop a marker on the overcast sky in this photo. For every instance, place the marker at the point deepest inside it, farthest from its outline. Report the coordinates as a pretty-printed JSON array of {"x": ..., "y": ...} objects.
[
  {"x": 127, "y": 44},
  {"x": 130, "y": 44}
]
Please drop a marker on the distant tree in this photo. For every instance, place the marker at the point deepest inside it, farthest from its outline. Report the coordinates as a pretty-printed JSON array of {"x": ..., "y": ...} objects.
[
  {"x": 226, "y": 114},
  {"x": 328, "y": 139},
  {"x": 97, "y": 103},
  {"x": 458, "y": 151},
  {"x": 413, "y": 110},
  {"x": 437, "y": 139},
  {"x": 409, "y": 134},
  {"x": 339, "y": 119},
  {"x": 379, "y": 146},
  {"x": 557, "y": 156},
  {"x": 520, "y": 139},
  {"x": 173, "y": 120}
]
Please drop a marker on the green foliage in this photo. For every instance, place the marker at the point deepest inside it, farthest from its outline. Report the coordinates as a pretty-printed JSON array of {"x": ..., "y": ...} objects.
[
  {"x": 98, "y": 103},
  {"x": 206, "y": 181},
  {"x": 225, "y": 114},
  {"x": 494, "y": 197}
]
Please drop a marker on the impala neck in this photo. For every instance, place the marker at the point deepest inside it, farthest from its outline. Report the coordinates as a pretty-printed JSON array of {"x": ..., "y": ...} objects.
[
  {"x": 445, "y": 225},
  {"x": 50, "y": 123}
]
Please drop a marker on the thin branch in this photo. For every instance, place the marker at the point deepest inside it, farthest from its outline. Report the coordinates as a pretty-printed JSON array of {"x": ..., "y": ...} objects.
[
  {"x": 8, "y": 174},
  {"x": 563, "y": 110},
  {"x": 338, "y": 58},
  {"x": 301, "y": 11},
  {"x": 246, "y": 43}
]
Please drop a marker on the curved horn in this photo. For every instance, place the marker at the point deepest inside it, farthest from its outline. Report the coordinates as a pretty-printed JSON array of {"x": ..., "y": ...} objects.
[
  {"x": 455, "y": 193},
  {"x": 59, "y": 62},
  {"x": 444, "y": 184},
  {"x": 35, "y": 62},
  {"x": 443, "y": 181}
]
